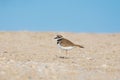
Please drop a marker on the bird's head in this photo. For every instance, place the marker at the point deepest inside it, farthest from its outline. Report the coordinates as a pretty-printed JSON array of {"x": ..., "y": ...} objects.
[{"x": 58, "y": 37}]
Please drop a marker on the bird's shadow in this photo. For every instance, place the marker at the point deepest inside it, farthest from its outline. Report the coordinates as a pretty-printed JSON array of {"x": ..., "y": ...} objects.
[{"x": 62, "y": 57}]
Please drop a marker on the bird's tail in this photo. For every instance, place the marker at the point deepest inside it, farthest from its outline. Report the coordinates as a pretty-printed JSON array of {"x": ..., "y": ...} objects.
[{"x": 79, "y": 46}]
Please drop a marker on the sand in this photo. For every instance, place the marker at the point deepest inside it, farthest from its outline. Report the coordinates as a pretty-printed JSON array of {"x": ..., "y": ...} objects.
[{"x": 35, "y": 56}]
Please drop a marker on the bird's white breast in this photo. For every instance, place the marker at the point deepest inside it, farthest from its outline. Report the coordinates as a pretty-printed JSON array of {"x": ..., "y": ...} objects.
[{"x": 67, "y": 48}]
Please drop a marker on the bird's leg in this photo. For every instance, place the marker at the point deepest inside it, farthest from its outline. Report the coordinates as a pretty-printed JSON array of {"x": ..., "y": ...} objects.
[
  {"x": 66, "y": 52},
  {"x": 60, "y": 51}
]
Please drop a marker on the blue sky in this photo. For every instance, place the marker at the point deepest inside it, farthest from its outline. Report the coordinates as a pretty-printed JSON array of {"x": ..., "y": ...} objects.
[{"x": 60, "y": 15}]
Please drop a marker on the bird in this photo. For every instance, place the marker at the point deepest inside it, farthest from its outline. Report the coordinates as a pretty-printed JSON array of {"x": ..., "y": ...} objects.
[{"x": 65, "y": 44}]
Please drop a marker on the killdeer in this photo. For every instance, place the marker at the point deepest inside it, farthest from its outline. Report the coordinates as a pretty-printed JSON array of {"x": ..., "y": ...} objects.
[{"x": 65, "y": 44}]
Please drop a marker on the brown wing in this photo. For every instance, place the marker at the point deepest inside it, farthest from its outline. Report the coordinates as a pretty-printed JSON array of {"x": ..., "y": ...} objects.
[{"x": 65, "y": 42}]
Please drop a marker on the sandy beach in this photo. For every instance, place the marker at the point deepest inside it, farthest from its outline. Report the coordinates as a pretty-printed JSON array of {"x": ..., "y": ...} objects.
[{"x": 35, "y": 56}]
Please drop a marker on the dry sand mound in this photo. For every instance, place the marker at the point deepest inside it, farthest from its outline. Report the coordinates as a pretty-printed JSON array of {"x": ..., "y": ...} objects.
[{"x": 35, "y": 56}]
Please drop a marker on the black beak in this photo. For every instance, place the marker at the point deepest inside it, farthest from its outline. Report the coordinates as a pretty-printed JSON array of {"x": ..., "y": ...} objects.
[{"x": 55, "y": 38}]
